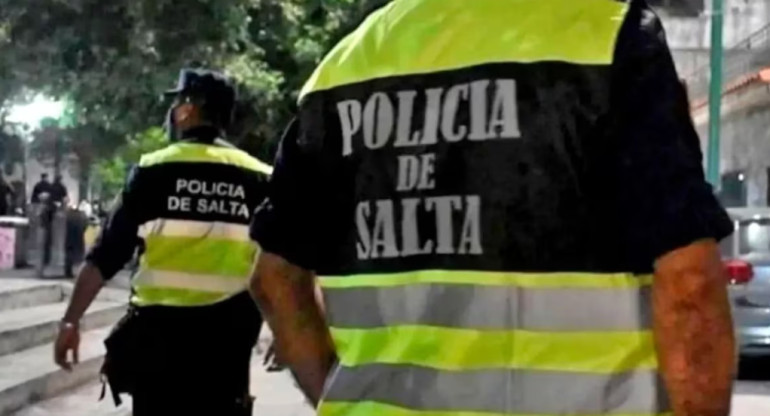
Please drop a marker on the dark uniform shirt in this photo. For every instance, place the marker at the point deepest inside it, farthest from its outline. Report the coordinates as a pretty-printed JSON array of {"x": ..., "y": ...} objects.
[
  {"x": 58, "y": 192},
  {"x": 606, "y": 176},
  {"x": 199, "y": 350},
  {"x": 482, "y": 188},
  {"x": 39, "y": 189},
  {"x": 144, "y": 198}
]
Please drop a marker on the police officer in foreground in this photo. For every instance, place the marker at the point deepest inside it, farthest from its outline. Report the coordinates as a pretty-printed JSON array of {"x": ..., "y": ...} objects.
[
  {"x": 506, "y": 209},
  {"x": 185, "y": 345}
]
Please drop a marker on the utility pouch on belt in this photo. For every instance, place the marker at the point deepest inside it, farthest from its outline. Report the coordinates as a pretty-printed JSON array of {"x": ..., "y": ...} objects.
[{"x": 119, "y": 368}]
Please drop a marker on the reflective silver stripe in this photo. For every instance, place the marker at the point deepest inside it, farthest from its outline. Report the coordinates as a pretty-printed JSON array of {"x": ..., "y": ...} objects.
[
  {"x": 197, "y": 282},
  {"x": 195, "y": 229},
  {"x": 501, "y": 391},
  {"x": 490, "y": 307}
]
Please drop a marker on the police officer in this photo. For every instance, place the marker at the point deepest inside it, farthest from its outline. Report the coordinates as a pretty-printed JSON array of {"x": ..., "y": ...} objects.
[
  {"x": 185, "y": 346},
  {"x": 485, "y": 189}
]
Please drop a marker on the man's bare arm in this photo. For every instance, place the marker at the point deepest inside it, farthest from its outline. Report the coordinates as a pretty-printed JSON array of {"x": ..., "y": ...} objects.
[
  {"x": 694, "y": 330},
  {"x": 87, "y": 286},
  {"x": 286, "y": 294},
  {"x": 67, "y": 343}
]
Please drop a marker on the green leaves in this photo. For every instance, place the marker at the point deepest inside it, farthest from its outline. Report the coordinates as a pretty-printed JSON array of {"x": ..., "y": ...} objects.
[
  {"x": 112, "y": 58},
  {"x": 111, "y": 172}
]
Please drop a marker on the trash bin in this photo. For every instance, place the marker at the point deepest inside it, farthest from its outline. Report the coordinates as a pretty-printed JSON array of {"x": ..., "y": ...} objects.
[{"x": 14, "y": 232}]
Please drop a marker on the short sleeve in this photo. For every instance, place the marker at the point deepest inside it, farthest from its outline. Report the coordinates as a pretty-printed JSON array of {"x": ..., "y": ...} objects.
[
  {"x": 119, "y": 237},
  {"x": 287, "y": 223},
  {"x": 654, "y": 162}
]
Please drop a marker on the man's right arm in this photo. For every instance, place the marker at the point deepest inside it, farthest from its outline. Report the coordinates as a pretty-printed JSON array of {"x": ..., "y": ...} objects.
[
  {"x": 653, "y": 180},
  {"x": 694, "y": 330}
]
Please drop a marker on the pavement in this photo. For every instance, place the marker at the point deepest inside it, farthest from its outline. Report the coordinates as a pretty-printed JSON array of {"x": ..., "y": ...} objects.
[
  {"x": 120, "y": 281},
  {"x": 276, "y": 394}
]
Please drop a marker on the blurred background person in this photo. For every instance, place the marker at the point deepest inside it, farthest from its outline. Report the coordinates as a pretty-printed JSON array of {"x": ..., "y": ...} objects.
[
  {"x": 6, "y": 197},
  {"x": 74, "y": 238},
  {"x": 42, "y": 189},
  {"x": 58, "y": 191}
]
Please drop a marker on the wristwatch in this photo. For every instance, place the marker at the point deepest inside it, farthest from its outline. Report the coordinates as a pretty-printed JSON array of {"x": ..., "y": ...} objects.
[{"x": 64, "y": 325}]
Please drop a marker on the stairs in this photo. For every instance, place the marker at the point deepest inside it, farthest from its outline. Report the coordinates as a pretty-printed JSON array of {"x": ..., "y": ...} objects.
[{"x": 30, "y": 311}]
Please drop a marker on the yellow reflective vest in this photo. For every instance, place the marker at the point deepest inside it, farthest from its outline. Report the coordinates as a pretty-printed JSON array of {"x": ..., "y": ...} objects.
[
  {"x": 482, "y": 187},
  {"x": 197, "y": 202}
]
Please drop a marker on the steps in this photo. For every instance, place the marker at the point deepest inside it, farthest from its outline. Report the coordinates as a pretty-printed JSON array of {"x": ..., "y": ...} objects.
[
  {"x": 31, "y": 326},
  {"x": 23, "y": 293},
  {"x": 30, "y": 311}
]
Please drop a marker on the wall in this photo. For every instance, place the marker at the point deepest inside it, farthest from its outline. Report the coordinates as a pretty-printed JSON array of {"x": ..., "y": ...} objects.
[
  {"x": 742, "y": 18},
  {"x": 746, "y": 114},
  {"x": 690, "y": 37},
  {"x": 745, "y": 139}
]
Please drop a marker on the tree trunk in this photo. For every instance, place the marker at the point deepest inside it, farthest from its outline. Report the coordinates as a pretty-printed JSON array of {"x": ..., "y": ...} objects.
[
  {"x": 84, "y": 178},
  {"x": 57, "y": 154}
]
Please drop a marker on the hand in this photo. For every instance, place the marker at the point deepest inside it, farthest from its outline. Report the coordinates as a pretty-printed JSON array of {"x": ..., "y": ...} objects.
[
  {"x": 67, "y": 340},
  {"x": 270, "y": 354}
]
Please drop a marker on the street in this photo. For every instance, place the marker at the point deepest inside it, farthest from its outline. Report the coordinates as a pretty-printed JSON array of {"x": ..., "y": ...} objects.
[{"x": 751, "y": 396}]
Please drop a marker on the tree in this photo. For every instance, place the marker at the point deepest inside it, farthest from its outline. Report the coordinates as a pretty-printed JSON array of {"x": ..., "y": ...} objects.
[
  {"x": 112, "y": 171},
  {"x": 11, "y": 146},
  {"x": 111, "y": 58}
]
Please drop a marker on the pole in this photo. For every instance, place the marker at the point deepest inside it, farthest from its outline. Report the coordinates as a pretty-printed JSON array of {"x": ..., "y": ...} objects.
[
  {"x": 715, "y": 93},
  {"x": 57, "y": 155}
]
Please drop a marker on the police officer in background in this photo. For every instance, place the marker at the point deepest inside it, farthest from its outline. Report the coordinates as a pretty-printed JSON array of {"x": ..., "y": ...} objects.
[
  {"x": 505, "y": 203},
  {"x": 185, "y": 345}
]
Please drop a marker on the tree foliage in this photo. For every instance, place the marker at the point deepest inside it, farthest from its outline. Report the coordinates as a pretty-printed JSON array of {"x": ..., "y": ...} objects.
[
  {"x": 111, "y": 58},
  {"x": 112, "y": 171},
  {"x": 11, "y": 146}
]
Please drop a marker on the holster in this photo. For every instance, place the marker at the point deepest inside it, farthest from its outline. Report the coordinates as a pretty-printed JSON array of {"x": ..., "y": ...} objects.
[
  {"x": 246, "y": 406},
  {"x": 121, "y": 360}
]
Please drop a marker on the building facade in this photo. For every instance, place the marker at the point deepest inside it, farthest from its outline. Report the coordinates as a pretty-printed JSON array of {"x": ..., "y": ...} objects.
[{"x": 745, "y": 133}]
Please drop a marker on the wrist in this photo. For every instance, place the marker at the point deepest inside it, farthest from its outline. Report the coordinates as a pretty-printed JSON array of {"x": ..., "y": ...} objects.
[{"x": 67, "y": 324}]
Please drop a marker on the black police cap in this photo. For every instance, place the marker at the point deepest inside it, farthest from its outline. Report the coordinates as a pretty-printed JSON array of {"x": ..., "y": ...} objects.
[{"x": 209, "y": 85}]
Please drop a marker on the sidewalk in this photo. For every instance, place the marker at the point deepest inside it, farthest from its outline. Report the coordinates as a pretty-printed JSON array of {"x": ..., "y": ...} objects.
[
  {"x": 275, "y": 392},
  {"x": 120, "y": 281}
]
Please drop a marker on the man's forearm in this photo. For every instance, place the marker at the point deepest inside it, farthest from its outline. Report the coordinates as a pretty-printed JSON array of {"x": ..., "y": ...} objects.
[
  {"x": 87, "y": 286},
  {"x": 694, "y": 330},
  {"x": 286, "y": 294}
]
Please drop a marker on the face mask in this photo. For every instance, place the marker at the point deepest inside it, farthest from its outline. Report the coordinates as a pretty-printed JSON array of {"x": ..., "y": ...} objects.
[{"x": 171, "y": 131}]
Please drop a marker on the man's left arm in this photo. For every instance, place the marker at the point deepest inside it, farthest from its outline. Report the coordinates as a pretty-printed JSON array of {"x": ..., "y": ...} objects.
[
  {"x": 288, "y": 227},
  {"x": 286, "y": 294},
  {"x": 653, "y": 175}
]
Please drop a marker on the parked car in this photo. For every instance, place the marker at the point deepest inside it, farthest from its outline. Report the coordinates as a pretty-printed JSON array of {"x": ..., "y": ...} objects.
[{"x": 746, "y": 257}]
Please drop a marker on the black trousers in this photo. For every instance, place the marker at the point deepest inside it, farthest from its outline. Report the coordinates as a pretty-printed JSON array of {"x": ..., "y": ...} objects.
[
  {"x": 195, "y": 361},
  {"x": 47, "y": 242}
]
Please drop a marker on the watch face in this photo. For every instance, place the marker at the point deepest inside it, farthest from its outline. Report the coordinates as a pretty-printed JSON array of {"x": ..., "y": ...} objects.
[{"x": 67, "y": 325}]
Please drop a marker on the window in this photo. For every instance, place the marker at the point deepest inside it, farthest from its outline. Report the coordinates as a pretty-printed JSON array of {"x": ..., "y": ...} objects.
[
  {"x": 733, "y": 191},
  {"x": 679, "y": 7}
]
